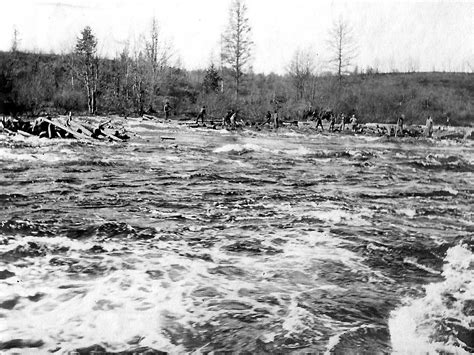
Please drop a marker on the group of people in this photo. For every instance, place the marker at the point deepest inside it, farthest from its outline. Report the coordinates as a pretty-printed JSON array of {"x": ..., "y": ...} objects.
[{"x": 337, "y": 122}]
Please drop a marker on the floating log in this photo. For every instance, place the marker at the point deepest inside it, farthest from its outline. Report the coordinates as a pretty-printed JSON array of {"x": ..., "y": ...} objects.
[
  {"x": 150, "y": 117},
  {"x": 23, "y": 133},
  {"x": 163, "y": 138},
  {"x": 109, "y": 134}
]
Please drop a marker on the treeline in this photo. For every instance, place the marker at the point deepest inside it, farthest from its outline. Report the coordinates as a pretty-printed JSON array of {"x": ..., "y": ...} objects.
[{"x": 134, "y": 84}]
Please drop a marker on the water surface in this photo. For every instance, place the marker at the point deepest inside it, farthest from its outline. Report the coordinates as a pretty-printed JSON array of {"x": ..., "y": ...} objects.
[{"x": 224, "y": 241}]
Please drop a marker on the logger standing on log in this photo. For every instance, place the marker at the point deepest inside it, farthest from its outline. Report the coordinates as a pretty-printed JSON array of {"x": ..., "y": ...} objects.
[
  {"x": 201, "y": 115},
  {"x": 276, "y": 119},
  {"x": 332, "y": 121},
  {"x": 319, "y": 121},
  {"x": 400, "y": 125},
  {"x": 343, "y": 122},
  {"x": 167, "y": 109},
  {"x": 226, "y": 120},
  {"x": 429, "y": 127},
  {"x": 354, "y": 122}
]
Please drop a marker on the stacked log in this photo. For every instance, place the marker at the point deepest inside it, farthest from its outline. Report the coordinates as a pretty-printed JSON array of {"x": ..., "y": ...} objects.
[{"x": 58, "y": 127}]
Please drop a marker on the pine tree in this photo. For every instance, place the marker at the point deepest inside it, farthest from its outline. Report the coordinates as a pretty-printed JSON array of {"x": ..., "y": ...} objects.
[
  {"x": 211, "y": 79},
  {"x": 86, "y": 48}
]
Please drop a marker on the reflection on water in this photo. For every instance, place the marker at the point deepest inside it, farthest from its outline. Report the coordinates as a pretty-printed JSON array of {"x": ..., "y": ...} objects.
[{"x": 220, "y": 241}]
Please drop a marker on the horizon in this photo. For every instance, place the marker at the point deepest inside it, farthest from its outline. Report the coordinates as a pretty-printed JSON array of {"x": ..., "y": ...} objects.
[{"x": 426, "y": 33}]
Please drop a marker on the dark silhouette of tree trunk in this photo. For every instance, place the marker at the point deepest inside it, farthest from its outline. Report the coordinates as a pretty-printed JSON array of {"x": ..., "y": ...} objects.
[{"x": 236, "y": 42}]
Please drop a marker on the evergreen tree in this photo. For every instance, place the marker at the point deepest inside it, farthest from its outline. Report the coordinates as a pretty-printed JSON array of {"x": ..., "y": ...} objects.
[
  {"x": 86, "y": 48},
  {"x": 211, "y": 79}
]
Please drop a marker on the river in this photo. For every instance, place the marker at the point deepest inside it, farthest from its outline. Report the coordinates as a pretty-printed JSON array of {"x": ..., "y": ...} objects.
[{"x": 243, "y": 242}]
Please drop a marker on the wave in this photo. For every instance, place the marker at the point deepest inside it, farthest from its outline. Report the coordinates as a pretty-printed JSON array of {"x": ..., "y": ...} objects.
[
  {"x": 443, "y": 162},
  {"x": 299, "y": 150},
  {"x": 441, "y": 321},
  {"x": 240, "y": 148},
  {"x": 74, "y": 231}
]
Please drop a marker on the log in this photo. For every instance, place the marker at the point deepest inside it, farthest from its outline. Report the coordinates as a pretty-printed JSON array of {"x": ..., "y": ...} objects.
[
  {"x": 23, "y": 133},
  {"x": 167, "y": 138},
  {"x": 150, "y": 117},
  {"x": 108, "y": 134},
  {"x": 76, "y": 126},
  {"x": 76, "y": 135}
]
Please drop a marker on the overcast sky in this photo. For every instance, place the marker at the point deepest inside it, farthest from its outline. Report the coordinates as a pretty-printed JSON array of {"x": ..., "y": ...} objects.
[{"x": 390, "y": 34}]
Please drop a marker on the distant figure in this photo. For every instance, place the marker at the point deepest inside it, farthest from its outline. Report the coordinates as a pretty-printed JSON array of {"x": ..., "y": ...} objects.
[
  {"x": 226, "y": 119},
  {"x": 167, "y": 109},
  {"x": 268, "y": 118},
  {"x": 276, "y": 119},
  {"x": 319, "y": 121},
  {"x": 429, "y": 127},
  {"x": 447, "y": 121},
  {"x": 343, "y": 122},
  {"x": 201, "y": 115},
  {"x": 354, "y": 122},
  {"x": 399, "y": 125},
  {"x": 69, "y": 118},
  {"x": 332, "y": 122},
  {"x": 233, "y": 119}
]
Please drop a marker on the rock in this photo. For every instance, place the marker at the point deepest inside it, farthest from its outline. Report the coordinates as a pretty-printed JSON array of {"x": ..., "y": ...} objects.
[
  {"x": 93, "y": 349},
  {"x": 145, "y": 350},
  {"x": 5, "y": 274},
  {"x": 10, "y": 304},
  {"x": 97, "y": 249},
  {"x": 20, "y": 343}
]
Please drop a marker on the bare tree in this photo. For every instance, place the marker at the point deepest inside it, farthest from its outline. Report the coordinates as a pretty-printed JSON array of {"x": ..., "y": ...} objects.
[
  {"x": 236, "y": 42},
  {"x": 86, "y": 49},
  {"x": 342, "y": 47},
  {"x": 15, "y": 40},
  {"x": 158, "y": 52},
  {"x": 301, "y": 71}
]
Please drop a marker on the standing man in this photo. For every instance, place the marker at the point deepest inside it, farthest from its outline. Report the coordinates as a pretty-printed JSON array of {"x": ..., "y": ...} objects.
[
  {"x": 429, "y": 127},
  {"x": 400, "y": 120},
  {"x": 233, "y": 119},
  {"x": 354, "y": 122},
  {"x": 343, "y": 122},
  {"x": 167, "y": 109},
  {"x": 276, "y": 119},
  {"x": 319, "y": 121},
  {"x": 201, "y": 115},
  {"x": 332, "y": 121},
  {"x": 226, "y": 119}
]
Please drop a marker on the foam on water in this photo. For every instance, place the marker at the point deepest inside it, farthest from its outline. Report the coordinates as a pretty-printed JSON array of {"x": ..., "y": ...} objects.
[
  {"x": 224, "y": 241},
  {"x": 428, "y": 324},
  {"x": 239, "y": 148}
]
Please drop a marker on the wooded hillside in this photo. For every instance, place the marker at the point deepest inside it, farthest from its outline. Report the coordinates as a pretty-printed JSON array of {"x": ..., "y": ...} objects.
[{"x": 32, "y": 83}]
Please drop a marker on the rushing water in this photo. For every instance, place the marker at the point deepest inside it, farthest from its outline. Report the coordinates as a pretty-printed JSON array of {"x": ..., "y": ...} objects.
[{"x": 221, "y": 241}]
